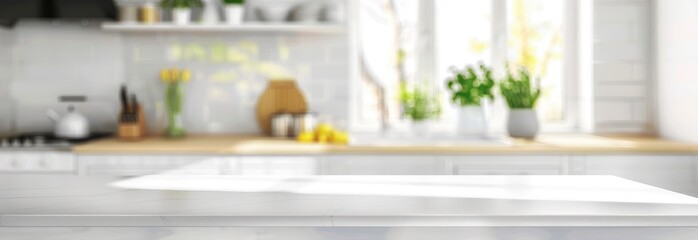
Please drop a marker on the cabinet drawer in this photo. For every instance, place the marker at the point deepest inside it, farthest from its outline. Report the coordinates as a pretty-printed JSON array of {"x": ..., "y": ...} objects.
[
  {"x": 508, "y": 165},
  {"x": 137, "y": 165},
  {"x": 272, "y": 165},
  {"x": 36, "y": 162},
  {"x": 385, "y": 165}
]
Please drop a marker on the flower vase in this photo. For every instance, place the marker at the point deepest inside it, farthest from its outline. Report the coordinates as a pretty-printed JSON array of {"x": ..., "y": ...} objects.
[{"x": 175, "y": 98}]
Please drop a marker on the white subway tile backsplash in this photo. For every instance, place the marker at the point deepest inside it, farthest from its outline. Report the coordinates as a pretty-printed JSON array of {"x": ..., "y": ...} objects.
[
  {"x": 6, "y": 119},
  {"x": 622, "y": 80},
  {"x": 622, "y": 127},
  {"x": 620, "y": 11},
  {"x": 619, "y": 72},
  {"x": 338, "y": 52},
  {"x": 605, "y": 51},
  {"x": 620, "y": 91},
  {"x": 309, "y": 54},
  {"x": 323, "y": 72},
  {"x": 613, "y": 111},
  {"x": 616, "y": 32},
  {"x": 640, "y": 111},
  {"x": 229, "y": 72},
  {"x": 31, "y": 116}
]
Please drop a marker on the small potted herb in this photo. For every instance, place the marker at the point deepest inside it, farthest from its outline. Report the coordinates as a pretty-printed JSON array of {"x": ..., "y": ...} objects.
[
  {"x": 469, "y": 88},
  {"x": 420, "y": 106},
  {"x": 181, "y": 9},
  {"x": 521, "y": 97},
  {"x": 234, "y": 11}
]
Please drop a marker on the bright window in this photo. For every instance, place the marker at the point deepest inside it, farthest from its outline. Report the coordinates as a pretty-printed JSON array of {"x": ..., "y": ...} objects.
[{"x": 419, "y": 41}]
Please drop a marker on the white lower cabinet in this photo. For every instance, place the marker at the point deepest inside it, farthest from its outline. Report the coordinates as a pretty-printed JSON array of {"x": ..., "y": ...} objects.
[
  {"x": 37, "y": 162},
  {"x": 271, "y": 165},
  {"x": 137, "y": 165},
  {"x": 509, "y": 165},
  {"x": 671, "y": 172},
  {"x": 385, "y": 165}
]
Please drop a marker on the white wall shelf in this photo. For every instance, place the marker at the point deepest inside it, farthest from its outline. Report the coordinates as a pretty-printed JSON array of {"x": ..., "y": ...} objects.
[{"x": 250, "y": 27}]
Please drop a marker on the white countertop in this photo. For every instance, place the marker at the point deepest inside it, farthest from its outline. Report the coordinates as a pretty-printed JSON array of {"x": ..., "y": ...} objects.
[{"x": 318, "y": 201}]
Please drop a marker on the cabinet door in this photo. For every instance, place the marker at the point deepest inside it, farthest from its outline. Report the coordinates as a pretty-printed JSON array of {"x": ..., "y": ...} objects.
[
  {"x": 37, "y": 162},
  {"x": 8, "y": 162},
  {"x": 671, "y": 172},
  {"x": 136, "y": 165},
  {"x": 272, "y": 165},
  {"x": 509, "y": 165},
  {"x": 385, "y": 165}
]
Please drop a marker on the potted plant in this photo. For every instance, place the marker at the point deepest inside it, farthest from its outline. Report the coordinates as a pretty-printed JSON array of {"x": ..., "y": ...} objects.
[
  {"x": 209, "y": 14},
  {"x": 420, "y": 106},
  {"x": 469, "y": 87},
  {"x": 181, "y": 9},
  {"x": 521, "y": 97},
  {"x": 174, "y": 80},
  {"x": 234, "y": 11}
]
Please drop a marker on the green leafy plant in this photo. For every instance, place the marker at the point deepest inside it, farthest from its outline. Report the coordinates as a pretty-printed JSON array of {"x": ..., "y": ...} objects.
[
  {"x": 170, "y": 4},
  {"x": 468, "y": 86},
  {"x": 418, "y": 104},
  {"x": 518, "y": 91},
  {"x": 230, "y": 2}
]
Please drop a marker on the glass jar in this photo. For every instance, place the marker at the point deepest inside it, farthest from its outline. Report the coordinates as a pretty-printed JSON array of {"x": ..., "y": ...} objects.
[{"x": 148, "y": 13}]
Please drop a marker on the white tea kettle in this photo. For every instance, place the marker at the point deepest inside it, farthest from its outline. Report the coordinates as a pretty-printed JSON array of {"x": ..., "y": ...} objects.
[{"x": 72, "y": 125}]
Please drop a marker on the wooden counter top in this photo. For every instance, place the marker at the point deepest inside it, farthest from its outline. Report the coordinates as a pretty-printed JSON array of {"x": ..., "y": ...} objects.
[{"x": 257, "y": 145}]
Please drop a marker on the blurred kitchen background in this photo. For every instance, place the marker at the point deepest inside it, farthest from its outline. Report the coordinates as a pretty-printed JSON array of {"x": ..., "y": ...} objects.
[
  {"x": 43, "y": 60},
  {"x": 598, "y": 64}
]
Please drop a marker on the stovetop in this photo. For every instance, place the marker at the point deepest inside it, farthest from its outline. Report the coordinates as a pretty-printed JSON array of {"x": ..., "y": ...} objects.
[{"x": 39, "y": 141}]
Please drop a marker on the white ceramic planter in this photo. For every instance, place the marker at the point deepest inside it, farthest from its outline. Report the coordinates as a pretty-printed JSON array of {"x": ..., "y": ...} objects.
[
  {"x": 234, "y": 13},
  {"x": 209, "y": 15},
  {"x": 523, "y": 123},
  {"x": 181, "y": 16},
  {"x": 472, "y": 121}
]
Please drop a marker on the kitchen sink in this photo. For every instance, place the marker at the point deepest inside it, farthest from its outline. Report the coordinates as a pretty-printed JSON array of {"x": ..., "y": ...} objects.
[{"x": 407, "y": 139}]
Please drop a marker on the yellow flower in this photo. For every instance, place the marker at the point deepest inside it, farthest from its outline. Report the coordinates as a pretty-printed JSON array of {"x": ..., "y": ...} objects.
[
  {"x": 186, "y": 76},
  {"x": 165, "y": 76},
  {"x": 175, "y": 74}
]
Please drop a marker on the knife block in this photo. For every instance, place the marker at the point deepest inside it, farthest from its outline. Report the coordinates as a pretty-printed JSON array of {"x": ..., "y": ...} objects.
[{"x": 132, "y": 131}]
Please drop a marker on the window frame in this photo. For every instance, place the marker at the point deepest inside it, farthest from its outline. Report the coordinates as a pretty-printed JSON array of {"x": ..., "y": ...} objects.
[{"x": 427, "y": 45}]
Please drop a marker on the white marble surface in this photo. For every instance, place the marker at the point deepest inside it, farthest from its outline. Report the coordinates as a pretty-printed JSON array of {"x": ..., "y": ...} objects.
[{"x": 339, "y": 201}]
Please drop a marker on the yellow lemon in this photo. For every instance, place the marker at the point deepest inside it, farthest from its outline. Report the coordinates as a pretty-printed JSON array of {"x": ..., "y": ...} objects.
[
  {"x": 306, "y": 137},
  {"x": 323, "y": 138},
  {"x": 324, "y": 129},
  {"x": 339, "y": 137}
]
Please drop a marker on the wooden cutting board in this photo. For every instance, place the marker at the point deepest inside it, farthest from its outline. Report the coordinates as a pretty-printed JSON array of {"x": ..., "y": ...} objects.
[{"x": 279, "y": 96}]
